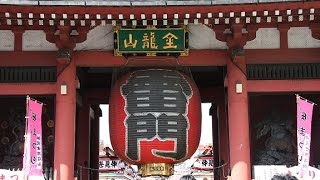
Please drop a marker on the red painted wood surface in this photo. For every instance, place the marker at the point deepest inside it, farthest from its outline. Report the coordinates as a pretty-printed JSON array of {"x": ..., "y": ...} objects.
[
  {"x": 148, "y": 11},
  {"x": 28, "y": 58},
  {"x": 261, "y": 86},
  {"x": 239, "y": 138},
  {"x": 83, "y": 142},
  {"x": 196, "y": 58},
  {"x": 27, "y": 88},
  {"x": 65, "y": 125}
]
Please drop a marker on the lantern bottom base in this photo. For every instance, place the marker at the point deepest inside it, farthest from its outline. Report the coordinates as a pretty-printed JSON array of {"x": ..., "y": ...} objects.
[{"x": 156, "y": 169}]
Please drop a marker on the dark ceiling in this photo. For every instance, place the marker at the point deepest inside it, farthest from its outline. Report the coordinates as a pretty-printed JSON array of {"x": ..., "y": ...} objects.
[{"x": 102, "y": 77}]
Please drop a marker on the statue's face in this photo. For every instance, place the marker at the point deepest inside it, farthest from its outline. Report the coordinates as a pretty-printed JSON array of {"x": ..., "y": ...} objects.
[{"x": 278, "y": 131}]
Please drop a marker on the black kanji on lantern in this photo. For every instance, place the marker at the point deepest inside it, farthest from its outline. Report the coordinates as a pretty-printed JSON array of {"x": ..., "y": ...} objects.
[{"x": 156, "y": 107}]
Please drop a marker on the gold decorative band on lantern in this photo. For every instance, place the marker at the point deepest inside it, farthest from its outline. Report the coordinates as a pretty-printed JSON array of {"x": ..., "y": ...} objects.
[{"x": 156, "y": 169}]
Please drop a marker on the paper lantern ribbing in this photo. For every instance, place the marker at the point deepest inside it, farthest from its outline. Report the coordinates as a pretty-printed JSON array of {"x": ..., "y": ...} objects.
[{"x": 155, "y": 119}]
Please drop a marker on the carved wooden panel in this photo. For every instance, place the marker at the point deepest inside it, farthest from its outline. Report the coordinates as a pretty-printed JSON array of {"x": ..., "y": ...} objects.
[{"x": 12, "y": 129}]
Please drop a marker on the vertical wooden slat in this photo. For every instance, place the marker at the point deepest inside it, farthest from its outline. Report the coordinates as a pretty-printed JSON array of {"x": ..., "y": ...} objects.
[
  {"x": 21, "y": 74},
  {"x": 2, "y": 74},
  {"x": 283, "y": 71}
]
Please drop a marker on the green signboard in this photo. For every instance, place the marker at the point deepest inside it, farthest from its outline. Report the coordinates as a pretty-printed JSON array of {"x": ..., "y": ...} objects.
[{"x": 151, "y": 41}]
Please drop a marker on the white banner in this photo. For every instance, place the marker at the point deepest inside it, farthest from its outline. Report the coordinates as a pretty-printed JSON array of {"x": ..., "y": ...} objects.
[
  {"x": 203, "y": 163},
  {"x": 32, "y": 157},
  {"x": 309, "y": 173},
  {"x": 266, "y": 172},
  {"x": 304, "y": 118},
  {"x": 11, "y": 175},
  {"x": 107, "y": 164}
]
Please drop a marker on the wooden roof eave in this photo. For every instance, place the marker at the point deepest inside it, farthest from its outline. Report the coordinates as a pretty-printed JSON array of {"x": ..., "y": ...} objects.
[{"x": 267, "y": 13}]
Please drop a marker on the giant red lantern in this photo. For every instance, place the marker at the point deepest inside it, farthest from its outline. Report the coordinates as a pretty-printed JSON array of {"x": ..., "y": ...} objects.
[{"x": 155, "y": 119}]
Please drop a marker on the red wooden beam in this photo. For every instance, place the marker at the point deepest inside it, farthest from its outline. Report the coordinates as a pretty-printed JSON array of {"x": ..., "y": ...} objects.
[
  {"x": 96, "y": 96},
  {"x": 195, "y": 58},
  {"x": 205, "y": 58},
  {"x": 275, "y": 56},
  {"x": 149, "y": 10},
  {"x": 25, "y": 58},
  {"x": 212, "y": 94},
  {"x": 200, "y": 58},
  {"x": 98, "y": 59},
  {"x": 101, "y": 96},
  {"x": 107, "y": 59},
  {"x": 27, "y": 88},
  {"x": 261, "y": 86}
]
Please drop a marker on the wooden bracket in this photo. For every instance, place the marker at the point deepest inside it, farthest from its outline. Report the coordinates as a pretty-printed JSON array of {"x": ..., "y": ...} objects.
[
  {"x": 315, "y": 29},
  {"x": 63, "y": 38},
  {"x": 18, "y": 33},
  {"x": 283, "y": 29},
  {"x": 237, "y": 36}
]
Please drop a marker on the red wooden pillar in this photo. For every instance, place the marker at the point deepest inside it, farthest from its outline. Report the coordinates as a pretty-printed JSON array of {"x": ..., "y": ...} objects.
[
  {"x": 65, "y": 122},
  {"x": 223, "y": 136},
  {"x": 83, "y": 141},
  {"x": 215, "y": 136},
  {"x": 238, "y": 120},
  {"x": 95, "y": 138}
]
